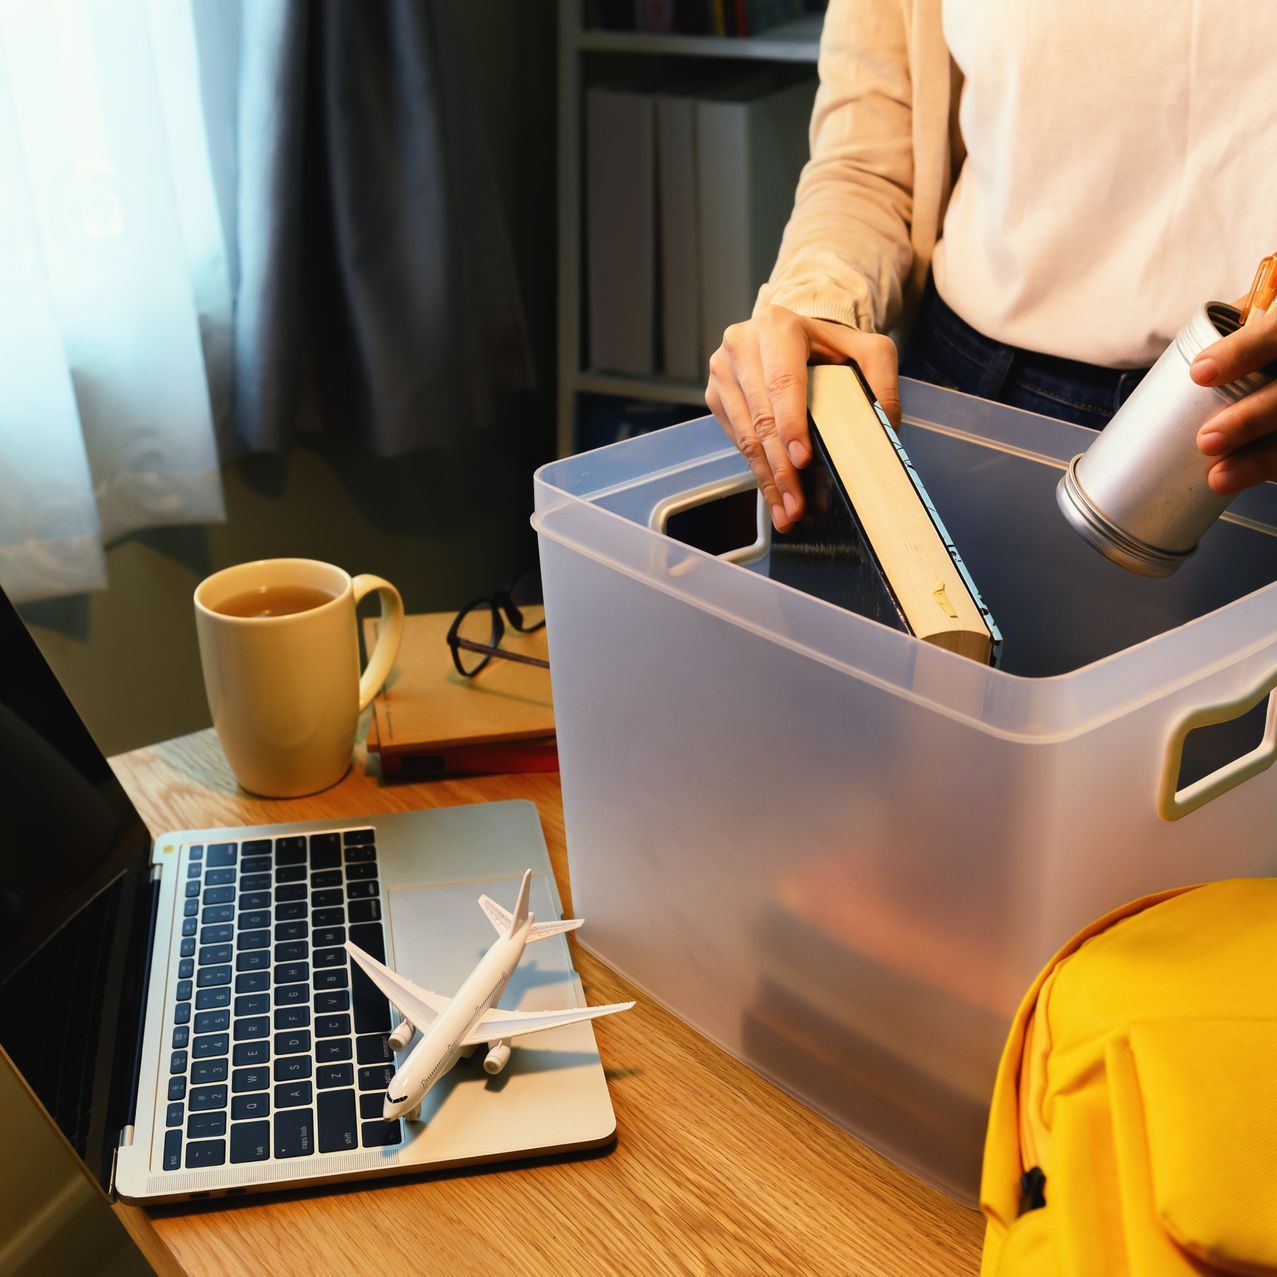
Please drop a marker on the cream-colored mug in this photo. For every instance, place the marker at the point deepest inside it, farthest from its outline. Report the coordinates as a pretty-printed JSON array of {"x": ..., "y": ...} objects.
[{"x": 280, "y": 651}]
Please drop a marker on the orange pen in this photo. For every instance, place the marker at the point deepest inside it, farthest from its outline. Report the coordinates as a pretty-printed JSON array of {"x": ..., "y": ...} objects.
[{"x": 1262, "y": 290}]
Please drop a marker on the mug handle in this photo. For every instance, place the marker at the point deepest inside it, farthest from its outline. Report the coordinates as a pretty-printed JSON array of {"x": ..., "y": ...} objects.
[{"x": 389, "y": 634}]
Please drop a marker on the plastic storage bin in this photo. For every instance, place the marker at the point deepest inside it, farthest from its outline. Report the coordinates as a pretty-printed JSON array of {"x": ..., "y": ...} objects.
[{"x": 843, "y": 854}]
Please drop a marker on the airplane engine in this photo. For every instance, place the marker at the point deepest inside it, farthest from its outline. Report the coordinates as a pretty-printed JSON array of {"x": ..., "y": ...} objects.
[
  {"x": 401, "y": 1036},
  {"x": 497, "y": 1058}
]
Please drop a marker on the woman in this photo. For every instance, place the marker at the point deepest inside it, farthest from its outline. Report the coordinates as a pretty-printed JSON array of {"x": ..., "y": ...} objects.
[{"x": 1045, "y": 190}]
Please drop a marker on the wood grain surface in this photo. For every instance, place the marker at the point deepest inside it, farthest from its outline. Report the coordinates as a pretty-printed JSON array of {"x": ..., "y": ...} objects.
[{"x": 714, "y": 1170}]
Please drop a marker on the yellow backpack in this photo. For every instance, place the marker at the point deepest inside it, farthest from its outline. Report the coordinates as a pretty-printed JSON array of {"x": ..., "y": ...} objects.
[{"x": 1134, "y": 1119}]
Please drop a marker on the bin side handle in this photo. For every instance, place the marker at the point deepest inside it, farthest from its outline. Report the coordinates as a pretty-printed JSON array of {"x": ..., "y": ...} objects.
[{"x": 1172, "y": 803}]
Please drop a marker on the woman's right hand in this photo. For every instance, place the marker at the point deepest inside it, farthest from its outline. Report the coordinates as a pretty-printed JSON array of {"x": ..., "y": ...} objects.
[{"x": 758, "y": 391}]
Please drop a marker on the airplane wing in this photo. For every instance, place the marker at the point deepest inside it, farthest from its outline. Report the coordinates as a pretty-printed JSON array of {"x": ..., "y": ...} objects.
[
  {"x": 417, "y": 1004},
  {"x": 498, "y": 1023}
]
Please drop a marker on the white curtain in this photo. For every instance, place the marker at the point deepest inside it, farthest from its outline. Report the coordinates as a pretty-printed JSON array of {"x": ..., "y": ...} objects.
[{"x": 115, "y": 290}]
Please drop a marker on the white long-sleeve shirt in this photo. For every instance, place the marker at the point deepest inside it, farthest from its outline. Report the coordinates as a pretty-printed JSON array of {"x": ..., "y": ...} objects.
[{"x": 1120, "y": 167}]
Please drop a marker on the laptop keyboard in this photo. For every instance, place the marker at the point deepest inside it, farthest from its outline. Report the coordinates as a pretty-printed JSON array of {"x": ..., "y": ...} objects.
[{"x": 278, "y": 1045}]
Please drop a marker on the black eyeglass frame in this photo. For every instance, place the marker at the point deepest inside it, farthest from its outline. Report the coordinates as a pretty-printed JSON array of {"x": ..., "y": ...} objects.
[{"x": 501, "y": 601}]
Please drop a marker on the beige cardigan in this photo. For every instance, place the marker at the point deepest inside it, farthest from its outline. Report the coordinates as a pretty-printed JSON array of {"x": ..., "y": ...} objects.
[{"x": 885, "y": 150}]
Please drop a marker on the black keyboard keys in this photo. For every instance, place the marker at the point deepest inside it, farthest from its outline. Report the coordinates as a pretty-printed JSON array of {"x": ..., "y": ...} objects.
[
  {"x": 294, "y": 1133},
  {"x": 250, "y": 1142},
  {"x": 338, "y": 1128},
  {"x": 172, "y": 1150},
  {"x": 372, "y": 1011}
]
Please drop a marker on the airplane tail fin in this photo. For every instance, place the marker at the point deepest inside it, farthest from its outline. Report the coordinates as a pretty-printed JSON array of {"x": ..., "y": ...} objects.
[
  {"x": 505, "y": 923},
  {"x": 521, "y": 904}
]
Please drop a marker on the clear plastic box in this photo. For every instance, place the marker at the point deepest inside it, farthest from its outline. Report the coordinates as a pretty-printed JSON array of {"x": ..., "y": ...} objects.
[{"x": 843, "y": 854}]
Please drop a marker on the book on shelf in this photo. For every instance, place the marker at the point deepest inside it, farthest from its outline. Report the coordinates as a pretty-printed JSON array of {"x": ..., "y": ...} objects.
[
  {"x": 870, "y": 539},
  {"x": 429, "y": 720}
]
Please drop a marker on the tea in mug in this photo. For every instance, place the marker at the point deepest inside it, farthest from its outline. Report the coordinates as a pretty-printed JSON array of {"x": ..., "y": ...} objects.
[{"x": 274, "y": 600}]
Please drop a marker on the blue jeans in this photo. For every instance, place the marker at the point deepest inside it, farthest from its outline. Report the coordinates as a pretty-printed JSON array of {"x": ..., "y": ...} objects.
[{"x": 947, "y": 351}]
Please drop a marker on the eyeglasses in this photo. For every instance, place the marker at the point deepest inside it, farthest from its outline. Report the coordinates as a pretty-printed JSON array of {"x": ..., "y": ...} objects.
[{"x": 475, "y": 636}]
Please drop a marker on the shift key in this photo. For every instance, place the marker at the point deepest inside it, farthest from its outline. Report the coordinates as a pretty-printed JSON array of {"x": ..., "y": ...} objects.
[
  {"x": 294, "y": 1133},
  {"x": 338, "y": 1129}
]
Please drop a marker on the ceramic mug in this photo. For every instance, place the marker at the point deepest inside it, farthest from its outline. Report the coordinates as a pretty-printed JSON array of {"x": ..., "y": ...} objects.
[{"x": 285, "y": 689}]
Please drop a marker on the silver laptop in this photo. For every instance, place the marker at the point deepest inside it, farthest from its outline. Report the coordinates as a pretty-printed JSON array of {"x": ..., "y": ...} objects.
[{"x": 184, "y": 1010}]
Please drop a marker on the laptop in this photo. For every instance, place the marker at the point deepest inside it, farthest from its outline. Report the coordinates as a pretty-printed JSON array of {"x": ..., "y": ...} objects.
[{"x": 182, "y": 1006}]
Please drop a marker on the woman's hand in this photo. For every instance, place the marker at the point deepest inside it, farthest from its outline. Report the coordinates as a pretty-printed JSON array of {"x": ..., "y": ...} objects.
[
  {"x": 1242, "y": 436},
  {"x": 758, "y": 391}
]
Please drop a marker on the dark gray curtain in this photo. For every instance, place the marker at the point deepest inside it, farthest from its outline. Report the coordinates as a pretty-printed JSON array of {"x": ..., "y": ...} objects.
[{"x": 377, "y": 296}]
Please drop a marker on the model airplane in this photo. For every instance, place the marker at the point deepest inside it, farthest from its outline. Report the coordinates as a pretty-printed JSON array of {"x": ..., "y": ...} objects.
[{"x": 456, "y": 1026}]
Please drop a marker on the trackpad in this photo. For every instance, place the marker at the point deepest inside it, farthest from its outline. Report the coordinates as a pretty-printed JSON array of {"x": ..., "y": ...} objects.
[{"x": 438, "y": 933}]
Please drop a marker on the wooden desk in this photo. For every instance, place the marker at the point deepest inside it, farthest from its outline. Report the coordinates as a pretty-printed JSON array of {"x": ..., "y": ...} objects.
[{"x": 714, "y": 1169}]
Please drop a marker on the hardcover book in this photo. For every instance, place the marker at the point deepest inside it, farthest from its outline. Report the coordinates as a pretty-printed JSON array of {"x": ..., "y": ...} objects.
[{"x": 870, "y": 539}]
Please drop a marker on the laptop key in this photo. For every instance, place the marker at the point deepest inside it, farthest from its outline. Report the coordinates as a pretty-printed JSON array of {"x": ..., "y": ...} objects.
[
  {"x": 292, "y": 951},
  {"x": 210, "y": 1044},
  {"x": 291, "y": 891},
  {"x": 328, "y": 1050},
  {"x": 297, "y": 930},
  {"x": 334, "y": 1000},
  {"x": 326, "y": 937},
  {"x": 291, "y": 910},
  {"x": 255, "y": 900},
  {"x": 184, "y": 989},
  {"x": 218, "y": 895},
  {"x": 372, "y": 1011},
  {"x": 190, "y": 908},
  {"x": 214, "y": 953},
  {"x": 373, "y": 1048},
  {"x": 252, "y": 960},
  {"x": 329, "y": 1075},
  {"x": 332, "y": 978},
  {"x": 182, "y": 1013},
  {"x": 204, "y": 1126},
  {"x": 255, "y": 882},
  {"x": 177, "y": 1088},
  {"x": 292, "y": 1041},
  {"x": 357, "y": 835},
  {"x": 219, "y": 933},
  {"x": 172, "y": 1160},
  {"x": 292, "y": 1068},
  {"x": 259, "y": 939},
  {"x": 290, "y": 849},
  {"x": 211, "y": 976},
  {"x": 292, "y": 972},
  {"x": 255, "y": 920},
  {"x": 358, "y": 872},
  {"x": 325, "y": 899},
  {"x": 254, "y": 865},
  {"x": 290, "y": 873},
  {"x": 325, "y": 851},
  {"x": 181, "y": 1036},
  {"x": 328, "y": 917},
  {"x": 217, "y": 915},
  {"x": 208, "y": 1071},
  {"x": 252, "y": 982},
  {"x": 338, "y": 1129},
  {"x": 254, "y": 1079},
  {"x": 203, "y": 1098},
  {"x": 194, "y": 869},
  {"x": 175, "y": 1115},
  {"x": 250, "y": 1142},
  {"x": 364, "y": 890},
  {"x": 329, "y": 958},
  {"x": 253, "y": 1004},
  {"x": 371, "y": 1104},
  {"x": 361, "y": 855},
  {"x": 188, "y": 926},
  {"x": 187, "y": 948},
  {"x": 291, "y": 994},
  {"x": 375, "y": 1077},
  {"x": 290, "y": 1095},
  {"x": 205, "y": 1153},
  {"x": 177, "y": 1062},
  {"x": 207, "y": 999},
  {"x": 197, "y": 851},
  {"x": 326, "y": 878},
  {"x": 332, "y": 1026},
  {"x": 213, "y": 1021},
  {"x": 256, "y": 847},
  {"x": 247, "y": 1030},
  {"x": 248, "y": 1053},
  {"x": 294, "y": 1133},
  {"x": 192, "y": 890},
  {"x": 221, "y": 853},
  {"x": 364, "y": 910},
  {"x": 292, "y": 1017},
  {"x": 186, "y": 968},
  {"x": 219, "y": 877},
  {"x": 378, "y": 1134},
  {"x": 246, "y": 1106}
]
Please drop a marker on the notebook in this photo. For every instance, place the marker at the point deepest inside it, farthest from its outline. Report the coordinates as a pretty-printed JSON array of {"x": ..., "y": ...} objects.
[{"x": 183, "y": 1008}]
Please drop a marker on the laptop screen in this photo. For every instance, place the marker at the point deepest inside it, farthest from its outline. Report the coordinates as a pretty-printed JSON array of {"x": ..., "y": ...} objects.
[{"x": 74, "y": 907}]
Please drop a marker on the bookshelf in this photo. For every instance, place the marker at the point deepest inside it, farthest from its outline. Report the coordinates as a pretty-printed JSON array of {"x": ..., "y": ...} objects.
[{"x": 796, "y": 42}]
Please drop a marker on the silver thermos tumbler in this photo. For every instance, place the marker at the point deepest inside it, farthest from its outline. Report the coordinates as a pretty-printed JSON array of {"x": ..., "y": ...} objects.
[{"x": 1139, "y": 494}]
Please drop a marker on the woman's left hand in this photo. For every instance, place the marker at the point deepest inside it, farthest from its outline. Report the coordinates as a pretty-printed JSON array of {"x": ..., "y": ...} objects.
[{"x": 1243, "y": 436}]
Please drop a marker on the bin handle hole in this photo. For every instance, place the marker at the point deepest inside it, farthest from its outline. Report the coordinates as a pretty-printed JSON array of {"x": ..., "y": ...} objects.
[
  {"x": 738, "y": 531},
  {"x": 1174, "y": 802}
]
